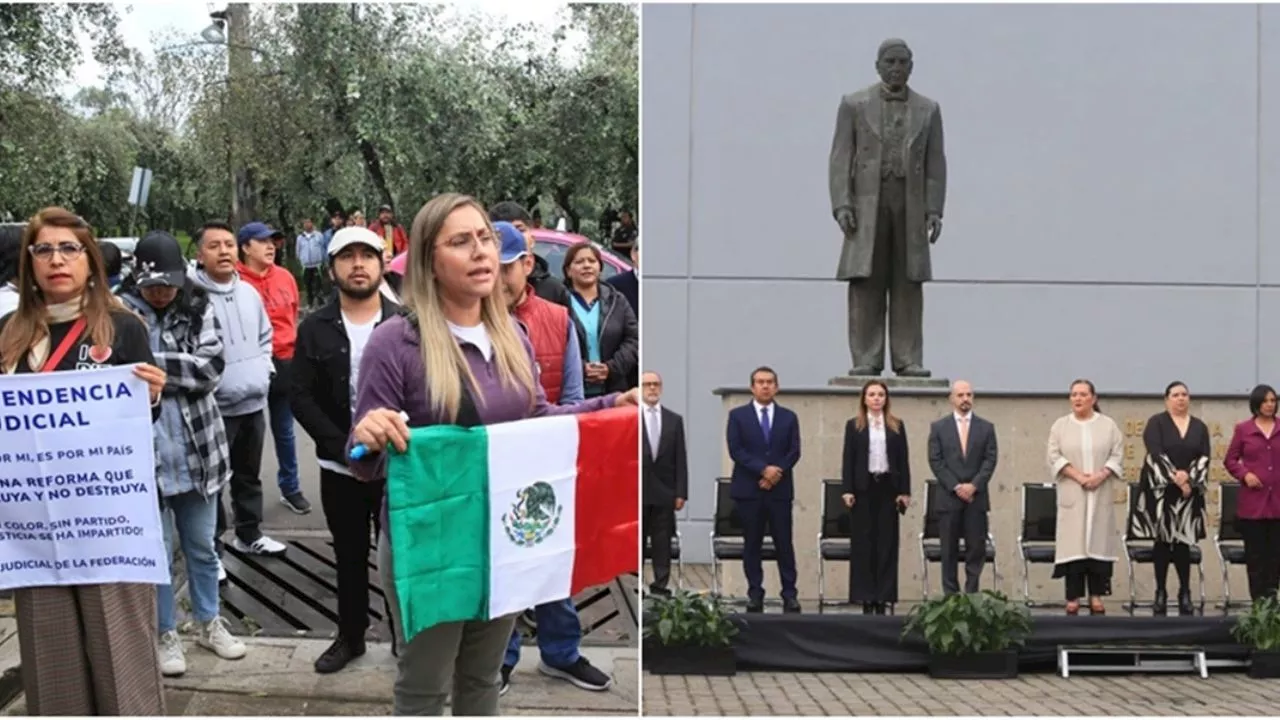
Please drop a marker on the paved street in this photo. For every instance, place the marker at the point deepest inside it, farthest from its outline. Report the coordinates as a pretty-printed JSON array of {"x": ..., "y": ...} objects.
[
  {"x": 276, "y": 517},
  {"x": 754, "y": 694}
]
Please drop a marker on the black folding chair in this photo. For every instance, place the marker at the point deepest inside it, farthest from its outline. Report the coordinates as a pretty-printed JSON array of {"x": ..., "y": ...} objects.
[
  {"x": 1039, "y": 533},
  {"x": 1141, "y": 552},
  {"x": 1228, "y": 541},
  {"x": 931, "y": 542},
  {"x": 834, "y": 536},
  {"x": 727, "y": 536}
]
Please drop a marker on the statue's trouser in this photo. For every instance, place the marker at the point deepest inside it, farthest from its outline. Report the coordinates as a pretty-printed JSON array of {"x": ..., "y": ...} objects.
[{"x": 888, "y": 281}]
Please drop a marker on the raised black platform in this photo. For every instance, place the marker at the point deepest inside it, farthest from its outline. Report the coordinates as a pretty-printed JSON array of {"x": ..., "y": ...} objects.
[{"x": 859, "y": 643}]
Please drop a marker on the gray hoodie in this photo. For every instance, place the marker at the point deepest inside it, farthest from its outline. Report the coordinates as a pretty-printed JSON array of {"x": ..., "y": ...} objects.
[{"x": 246, "y": 342}]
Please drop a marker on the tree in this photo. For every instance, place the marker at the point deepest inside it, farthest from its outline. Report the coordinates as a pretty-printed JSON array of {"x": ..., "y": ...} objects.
[{"x": 38, "y": 45}]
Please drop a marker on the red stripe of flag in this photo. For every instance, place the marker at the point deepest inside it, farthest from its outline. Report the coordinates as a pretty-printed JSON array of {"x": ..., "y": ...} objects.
[{"x": 607, "y": 514}]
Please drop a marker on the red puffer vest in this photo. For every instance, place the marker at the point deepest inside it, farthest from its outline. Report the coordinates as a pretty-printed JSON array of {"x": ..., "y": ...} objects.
[{"x": 548, "y": 326}]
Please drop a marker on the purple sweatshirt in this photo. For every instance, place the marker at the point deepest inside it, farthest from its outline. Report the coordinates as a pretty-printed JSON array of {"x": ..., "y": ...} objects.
[{"x": 392, "y": 376}]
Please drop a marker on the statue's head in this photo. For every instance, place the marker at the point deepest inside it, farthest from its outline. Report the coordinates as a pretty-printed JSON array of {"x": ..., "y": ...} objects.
[{"x": 893, "y": 63}]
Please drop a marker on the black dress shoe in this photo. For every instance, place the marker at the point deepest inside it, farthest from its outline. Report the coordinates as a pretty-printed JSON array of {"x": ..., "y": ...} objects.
[
  {"x": 659, "y": 591},
  {"x": 1185, "y": 606},
  {"x": 341, "y": 652},
  {"x": 1160, "y": 606},
  {"x": 790, "y": 605},
  {"x": 755, "y": 606}
]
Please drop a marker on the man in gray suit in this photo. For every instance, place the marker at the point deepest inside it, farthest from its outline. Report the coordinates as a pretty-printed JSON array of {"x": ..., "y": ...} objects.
[
  {"x": 962, "y": 455},
  {"x": 888, "y": 181}
]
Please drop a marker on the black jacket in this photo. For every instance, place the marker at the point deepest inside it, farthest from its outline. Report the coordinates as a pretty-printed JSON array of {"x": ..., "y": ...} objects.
[
  {"x": 321, "y": 378},
  {"x": 545, "y": 285},
  {"x": 619, "y": 338},
  {"x": 665, "y": 477}
]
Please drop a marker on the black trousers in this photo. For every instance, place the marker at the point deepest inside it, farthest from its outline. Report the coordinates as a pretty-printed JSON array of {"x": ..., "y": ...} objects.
[
  {"x": 245, "y": 434},
  {"x": 352, "y": 510},
  {"x": 1261, "y": 555},
  {"x": 1081, "y": 576},
  {"x": 968, "y": 522},
  {"x": 873, "y": 556},
  {"x": 659, "y": 525},
  {"x": 311, "y": 284}
]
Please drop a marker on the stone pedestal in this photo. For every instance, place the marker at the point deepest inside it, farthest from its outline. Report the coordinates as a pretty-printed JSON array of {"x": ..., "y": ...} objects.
[
  {"x": 1022, "y": 425},
  {"x": 893, "y": 382}
]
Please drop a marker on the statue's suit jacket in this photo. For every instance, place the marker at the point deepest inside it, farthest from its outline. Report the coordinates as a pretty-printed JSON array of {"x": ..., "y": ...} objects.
[{"x": 855, "y": 178}]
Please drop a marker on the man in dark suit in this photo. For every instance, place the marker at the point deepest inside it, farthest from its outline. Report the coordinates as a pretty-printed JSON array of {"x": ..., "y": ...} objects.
[
  {"x": 665, "y": 471},
  {"x": 962, "y": 455},
  {"x": 764, "y": 443}
]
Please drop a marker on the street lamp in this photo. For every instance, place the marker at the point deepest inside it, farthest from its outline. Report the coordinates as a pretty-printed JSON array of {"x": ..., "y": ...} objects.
[{"x": 215, "y": 33}]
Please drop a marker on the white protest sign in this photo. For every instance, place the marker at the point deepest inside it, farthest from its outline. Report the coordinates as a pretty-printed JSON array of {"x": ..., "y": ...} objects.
[{"x": 78, "y": 498}]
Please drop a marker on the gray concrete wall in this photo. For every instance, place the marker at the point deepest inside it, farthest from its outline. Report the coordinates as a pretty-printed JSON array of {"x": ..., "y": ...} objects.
[{"x": 1109, "y": 175}]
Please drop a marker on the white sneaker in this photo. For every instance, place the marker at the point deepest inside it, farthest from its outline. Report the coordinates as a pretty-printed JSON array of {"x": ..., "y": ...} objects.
[
  {"x": 222, "y": 570},
  {"x": 262, "y": 546},
  {"x": 216, "y": 636},
  {"x": 173, "y": 662}
]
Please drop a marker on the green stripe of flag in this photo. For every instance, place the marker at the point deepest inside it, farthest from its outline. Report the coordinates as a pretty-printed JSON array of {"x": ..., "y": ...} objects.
[{"x": 437, "y": 500}]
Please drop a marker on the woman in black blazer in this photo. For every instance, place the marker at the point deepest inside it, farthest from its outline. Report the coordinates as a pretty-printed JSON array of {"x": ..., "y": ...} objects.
[{"x": 877, "y": 488}]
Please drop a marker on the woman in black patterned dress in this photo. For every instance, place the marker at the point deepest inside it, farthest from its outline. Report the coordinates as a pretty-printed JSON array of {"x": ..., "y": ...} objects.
[{"x": 1170, "y": 506}]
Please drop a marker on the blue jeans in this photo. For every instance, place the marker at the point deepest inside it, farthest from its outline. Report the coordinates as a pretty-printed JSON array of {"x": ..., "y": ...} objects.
[
  {"x": 286, "y": 450},
  {"x": 193, "y": 517},
  {"x": 559, "y": 634}
]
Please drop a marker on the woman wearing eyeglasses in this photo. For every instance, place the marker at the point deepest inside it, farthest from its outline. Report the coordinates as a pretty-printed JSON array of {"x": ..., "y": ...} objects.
[{"x": 86, "y": 649}]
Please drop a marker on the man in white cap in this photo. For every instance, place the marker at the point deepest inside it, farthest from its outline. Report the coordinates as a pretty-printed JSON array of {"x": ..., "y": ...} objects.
[{"x": 326, "y": 367}]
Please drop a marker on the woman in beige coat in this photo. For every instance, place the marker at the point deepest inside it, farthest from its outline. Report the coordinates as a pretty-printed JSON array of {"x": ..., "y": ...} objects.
[{"x": 1086, "y": 450}]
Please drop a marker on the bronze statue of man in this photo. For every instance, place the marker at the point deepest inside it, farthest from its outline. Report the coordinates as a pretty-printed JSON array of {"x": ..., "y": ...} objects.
[{"x": 888, "y": 184}]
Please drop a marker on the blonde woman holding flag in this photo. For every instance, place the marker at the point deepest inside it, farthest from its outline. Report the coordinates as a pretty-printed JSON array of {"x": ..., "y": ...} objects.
[{"x": 456, "y": 357}]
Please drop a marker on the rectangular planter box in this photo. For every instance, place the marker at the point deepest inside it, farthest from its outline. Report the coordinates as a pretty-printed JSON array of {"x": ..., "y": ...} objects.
[
  {"x": 981, "y": 666},
  {"x": 677, "y": 660},
  {"x": 1264, "y": 664}
]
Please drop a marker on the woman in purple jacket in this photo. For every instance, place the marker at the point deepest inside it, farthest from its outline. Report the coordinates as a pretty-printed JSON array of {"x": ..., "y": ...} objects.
[
  {"x": 481, "y": 372},
  {"x": 1253, "y": 458}
]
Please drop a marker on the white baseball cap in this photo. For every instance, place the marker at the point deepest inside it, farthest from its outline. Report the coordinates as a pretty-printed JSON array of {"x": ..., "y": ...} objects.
[{"x": 348, "y": 236}]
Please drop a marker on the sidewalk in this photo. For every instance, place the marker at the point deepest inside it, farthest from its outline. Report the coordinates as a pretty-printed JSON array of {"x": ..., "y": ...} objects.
[{"x": 277, "y": 678}]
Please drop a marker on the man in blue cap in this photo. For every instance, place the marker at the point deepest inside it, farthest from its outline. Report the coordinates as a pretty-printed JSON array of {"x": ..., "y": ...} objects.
[
  {"x": 279, "y": 292},
  {"x": 559, "y": 358}
]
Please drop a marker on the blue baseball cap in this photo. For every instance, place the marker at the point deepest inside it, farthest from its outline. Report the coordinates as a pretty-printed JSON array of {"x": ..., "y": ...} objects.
[
  {"x": 512, "y": 241},
  {"x": 256, "y": 231}
]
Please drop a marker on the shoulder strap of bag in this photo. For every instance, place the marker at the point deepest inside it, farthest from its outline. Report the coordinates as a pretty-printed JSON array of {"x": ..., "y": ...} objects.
[{"x": 72, "y": 337}]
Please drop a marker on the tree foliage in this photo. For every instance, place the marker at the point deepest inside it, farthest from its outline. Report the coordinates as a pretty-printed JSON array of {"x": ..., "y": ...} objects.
[{"x": 314, "y": 107}]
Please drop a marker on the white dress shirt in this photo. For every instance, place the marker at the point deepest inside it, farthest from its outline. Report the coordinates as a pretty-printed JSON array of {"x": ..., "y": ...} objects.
[
  {"x": 878, "y": 457},
  {"x": 653, "y": 427}
]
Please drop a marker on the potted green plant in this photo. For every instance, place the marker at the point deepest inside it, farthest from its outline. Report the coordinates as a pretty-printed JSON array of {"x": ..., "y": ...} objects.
[
  {"x": 1260, "y": 630},
  {"x": 971, "y": 636},
  {"x": 688, "y": 634}
]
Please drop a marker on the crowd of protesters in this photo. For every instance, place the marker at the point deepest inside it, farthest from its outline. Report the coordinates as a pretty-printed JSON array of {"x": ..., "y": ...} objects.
[{"x": 223, "y": 351}]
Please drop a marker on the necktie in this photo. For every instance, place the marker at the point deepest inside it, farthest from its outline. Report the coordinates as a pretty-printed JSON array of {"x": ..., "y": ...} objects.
[
  {"x": 964, "y": 435},
  {"x": 764, "y": 423},
  {"x": 655, "y": 432}
]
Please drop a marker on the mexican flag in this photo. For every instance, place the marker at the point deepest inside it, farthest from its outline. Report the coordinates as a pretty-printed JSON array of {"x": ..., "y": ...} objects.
[{"x": 489, "y": 521}]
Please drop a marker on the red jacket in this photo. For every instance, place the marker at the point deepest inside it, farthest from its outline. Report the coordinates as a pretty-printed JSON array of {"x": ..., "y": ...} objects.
[
  {"x": 279, "y": 293},
  {"x": 548, "y": 326},
  {"x": 398, "y": 237}
]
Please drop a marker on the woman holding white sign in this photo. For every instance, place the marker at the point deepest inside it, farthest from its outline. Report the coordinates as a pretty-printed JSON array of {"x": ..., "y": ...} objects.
[{"x": 95, "y": 653}]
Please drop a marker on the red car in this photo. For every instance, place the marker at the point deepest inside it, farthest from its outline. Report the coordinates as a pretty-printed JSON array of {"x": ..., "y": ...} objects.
[{"x": 551, "y": 246}]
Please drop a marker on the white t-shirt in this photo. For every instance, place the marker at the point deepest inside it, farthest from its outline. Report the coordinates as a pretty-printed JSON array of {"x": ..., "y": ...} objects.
[
  {"x": 478, "y": 336},
  {"x": 358, "y": 336}
]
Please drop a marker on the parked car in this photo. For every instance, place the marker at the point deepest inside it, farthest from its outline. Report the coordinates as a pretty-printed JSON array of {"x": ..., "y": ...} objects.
[{"x": 551, "y": 246}]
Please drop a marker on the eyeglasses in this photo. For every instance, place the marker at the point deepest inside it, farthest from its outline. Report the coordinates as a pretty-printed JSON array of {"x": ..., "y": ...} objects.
[
  {"x": 482, "y": 238},
  {"x": 68, "y": 250}
]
